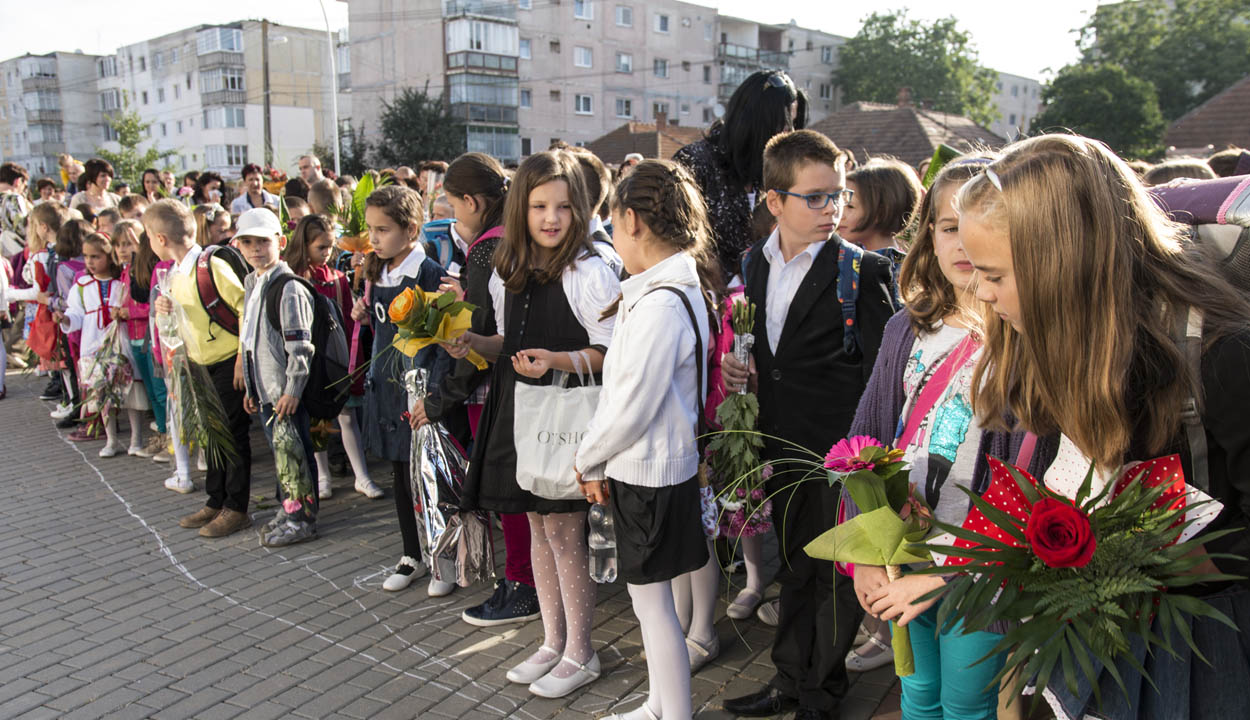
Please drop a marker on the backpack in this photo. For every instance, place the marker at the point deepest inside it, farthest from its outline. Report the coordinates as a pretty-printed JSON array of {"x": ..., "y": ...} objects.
[
  {"x": 206, "y": 285},
  {"x": 438, "y": 242},
  {"x": 329, "y": 379}
]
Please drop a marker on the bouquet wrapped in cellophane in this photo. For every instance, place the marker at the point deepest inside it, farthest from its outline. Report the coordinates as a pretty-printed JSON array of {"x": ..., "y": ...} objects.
[
  {"x": 292, "y": 466},
  {"x": 109, "y": 375}
]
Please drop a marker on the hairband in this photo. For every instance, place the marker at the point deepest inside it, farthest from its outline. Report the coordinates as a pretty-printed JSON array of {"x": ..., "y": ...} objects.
[
  {"x": 972, "y": 161},
  {"x": 993, "y": 176}
]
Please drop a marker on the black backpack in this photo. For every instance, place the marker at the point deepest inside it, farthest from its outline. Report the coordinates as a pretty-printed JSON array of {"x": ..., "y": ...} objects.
[
  {"x": 206, "y": 285},
  {"x": 329, "y": 380}
]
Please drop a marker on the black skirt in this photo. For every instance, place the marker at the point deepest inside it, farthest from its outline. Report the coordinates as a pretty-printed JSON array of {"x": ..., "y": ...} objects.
[{"x": 659, "y": 534}]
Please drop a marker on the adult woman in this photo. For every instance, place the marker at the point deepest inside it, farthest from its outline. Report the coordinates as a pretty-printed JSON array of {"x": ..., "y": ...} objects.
[
  {"x": 152, "y": 185},
  {"x": 207, "y": 189},
  {"x": 728, "y": 164},
  {"x": 255, "y": 195},
  {"x": 95, "y": 179}
]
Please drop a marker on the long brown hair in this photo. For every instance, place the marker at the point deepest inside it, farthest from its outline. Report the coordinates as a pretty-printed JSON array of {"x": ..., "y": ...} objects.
[
  {"x": 515, "y": 258},
  {"x": 143, "y": 263},
  {"x": 402, "y": 205},
  {"x": 482, "y": 177},
  {"x": 1101, "y": 273},
  {"x": 665, "y": 198},
  {"x": 927, "y": 294},
  {"x": 103, "y": 242},
  {"x": 309, "y": 228}
]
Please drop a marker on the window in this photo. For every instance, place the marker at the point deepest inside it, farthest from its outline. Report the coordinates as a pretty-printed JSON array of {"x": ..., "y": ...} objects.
[
  {"x": 527, "y": 146},
  {"x": 144, "y": 95},
  {"x": 109, "y": 100},
  {"x": 554, "y": 46},
  {"x": 525, "y": 4},
  {"x": 624, "y": 63},
  {"x": 555, "y": 96},
  {"x": 188, "y": 81},
  {"x": 214, "y": 39},
  {"x": 173, "y": 56},
  {"x": 225, "y": 155},
  {"x": 581, "y": 105},
  {"x": 477, "y": 35},
  {"x": 582, "y": 57},
  {"x": 708, "y": 115},
  {"x": 525, "y": 49},
  {"x": 685, "y": 65},
  {"x": 661, "y": 68},
  {"x": 583, "y": 10},
  {"x": 156, "y": 60},
  {"x": 527, "y": 98},
  {"x": 1015, "y": 91},
  {"x": 106, "y": 67},
  {"x": 227, "y": 117},
  {"x": 624, "y": 108},
  {"x": 221, "y": 79},
  {"x": 483, "y": 89},
  {"x": 177, "y": 92},
  {"x": 658, "y": 108},
  {"x": 809, "y": 45},
  {"x": 160, "y": 95},
  {"x": 685, "y": 108},
  {"x": 707, "y": 74},
  {"x": 826, "y": 91},
  {"x": 624, "y": 16},
  {"x": 109, "y": 133},
  {"x": 143, "y": 63},
  {"x": 179, "y": 127},
  {"x": 1012, "y": 120},
  {"x": 495, "y": 141},
  {"x": 661, "y": 23},
  {"x": 826, "y": 54},
  {"x": 164, "y": 130}
]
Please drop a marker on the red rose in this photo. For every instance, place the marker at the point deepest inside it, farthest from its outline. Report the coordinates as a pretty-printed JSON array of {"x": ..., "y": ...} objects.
[{"x": 1060, "y": 534}]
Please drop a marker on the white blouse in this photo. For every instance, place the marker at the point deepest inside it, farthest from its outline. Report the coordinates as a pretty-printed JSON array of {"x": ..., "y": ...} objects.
[{"x": 590, "y": 286}]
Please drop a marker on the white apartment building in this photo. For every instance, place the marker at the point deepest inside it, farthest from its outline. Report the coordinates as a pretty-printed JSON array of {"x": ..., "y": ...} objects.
[
  {"x": 1019, "y": 100},
  {"x": 47, "y": 107}
]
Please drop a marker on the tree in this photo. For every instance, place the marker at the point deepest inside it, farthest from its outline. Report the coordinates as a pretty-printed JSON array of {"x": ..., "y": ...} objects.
[
  {"x": 418, "y": 127},
  {"x": 129, "y": 164},
  {"x": 936, "y": 61},
  {"x": 353, "y": 149},
  {"x": 1189, "y": 50},
  {"x": 1103, "y": 102}
]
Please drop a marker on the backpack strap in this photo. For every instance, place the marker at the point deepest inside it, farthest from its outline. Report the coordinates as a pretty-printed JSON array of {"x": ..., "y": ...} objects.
[
  {"x": 1189, "y": 336},
  {"x": 850, "y": 258},
  {"x": 218, "y": 311},
  {"x": 702, "y": 431},
  {"x": 273, "y": 297}
]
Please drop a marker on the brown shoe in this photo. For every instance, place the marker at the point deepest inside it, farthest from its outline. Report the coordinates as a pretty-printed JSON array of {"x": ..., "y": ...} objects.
[
  {"x": 229, "y": 521},
  {"x": 200, "y": 518}
]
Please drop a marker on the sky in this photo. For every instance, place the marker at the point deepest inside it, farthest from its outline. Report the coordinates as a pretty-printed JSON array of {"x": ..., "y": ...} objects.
[{"x": 1030, "y": 41}]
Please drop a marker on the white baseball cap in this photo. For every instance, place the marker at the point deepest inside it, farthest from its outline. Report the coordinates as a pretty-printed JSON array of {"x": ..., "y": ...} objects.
[{"x": 258, "y": 222}]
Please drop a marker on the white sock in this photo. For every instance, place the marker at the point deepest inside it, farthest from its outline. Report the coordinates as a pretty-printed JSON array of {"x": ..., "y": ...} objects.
[
  {"x": 668, "y": 661},
  {"x": 704, "y": 587},
  {"x": 683, "y": 602},
  {"x": 323, "y": 465},
  {"x": 110, "y": 430},
  {"x": 753, "y": 558},
  {"x": 136, "y": 428},
  {"x": 353, "y": 446}
]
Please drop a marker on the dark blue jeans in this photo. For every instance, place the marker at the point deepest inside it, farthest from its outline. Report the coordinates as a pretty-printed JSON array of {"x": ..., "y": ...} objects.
[{"x": 308, "y": 509}]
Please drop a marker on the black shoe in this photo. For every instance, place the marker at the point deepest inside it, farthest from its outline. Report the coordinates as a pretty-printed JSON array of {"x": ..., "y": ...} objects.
[
  {"x": 53, "y": 391},
  {"x": 513, "y": 602},
  {"x": 806, "y": 713},
  {"x": 68, "y": 422},
  {"x": 767, "y": 702}
]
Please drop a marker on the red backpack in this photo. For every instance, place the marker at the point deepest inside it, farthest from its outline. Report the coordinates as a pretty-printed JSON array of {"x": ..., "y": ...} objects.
[{"x": 218, "y": 311}]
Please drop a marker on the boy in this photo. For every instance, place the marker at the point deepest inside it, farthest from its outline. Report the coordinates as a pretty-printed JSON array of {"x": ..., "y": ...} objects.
[
  {"x": 106, "y": 220},
  {"x": 171, "y": 230},
  {"x": 809, "y": 376},
  {"x": 276, "y": 362}
]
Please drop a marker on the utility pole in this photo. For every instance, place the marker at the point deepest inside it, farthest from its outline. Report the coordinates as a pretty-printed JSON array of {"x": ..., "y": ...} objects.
[
  {"x": 334, "y": 87},
  {"x": 264, "y": 61}
]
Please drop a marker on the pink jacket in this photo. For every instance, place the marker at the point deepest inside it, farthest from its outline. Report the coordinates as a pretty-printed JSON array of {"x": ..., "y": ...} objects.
[{"x": 137, "y": 320}]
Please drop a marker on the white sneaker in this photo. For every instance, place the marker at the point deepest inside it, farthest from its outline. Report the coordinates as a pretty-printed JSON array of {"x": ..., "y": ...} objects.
[
  {"x": 109, "y": 450},
  {"x": 324, "y": 491},
  {"x": 179, "y": 485},
  {"x": 62, "y": 411},
  {"x": 200, "y": 463},
  {"x": 365, "y": 487},
  {"x": 398, "y": 581},
  {"x": 439, "y": 588},
  {"x": 152, "y": 425},
  {"x": 135, "y": 451}
]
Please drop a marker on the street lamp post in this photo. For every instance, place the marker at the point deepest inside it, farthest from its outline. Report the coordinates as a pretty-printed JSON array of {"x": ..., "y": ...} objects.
[{"x": 334, "y": 87}]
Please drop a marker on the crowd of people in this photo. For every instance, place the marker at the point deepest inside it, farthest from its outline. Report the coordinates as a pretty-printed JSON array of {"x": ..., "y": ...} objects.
[{"x": 1026, "y": 298}]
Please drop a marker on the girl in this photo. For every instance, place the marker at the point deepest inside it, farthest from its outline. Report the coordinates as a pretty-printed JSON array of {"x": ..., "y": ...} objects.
[
  {"x": 308, "y": 254},
  {"x": 550, "y": 290},
  {"x": 1094, "y": 293},
  {"x": 643, "y": 437},
  {"x": 138, "y": 260},
  {"x": 476, "y": 188},
  {"x": 212, "y": 224},
  {"x": 393, "y": 215},
  {"x": 89, "y": 310},
  {"x": 920, "y": 397},
  {"x": 64, "y": 265},
  {"x": 42, "y": 226}
]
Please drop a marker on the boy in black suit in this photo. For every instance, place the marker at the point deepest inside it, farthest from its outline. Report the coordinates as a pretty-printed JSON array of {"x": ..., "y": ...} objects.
[{"x": 824, "y": 306}]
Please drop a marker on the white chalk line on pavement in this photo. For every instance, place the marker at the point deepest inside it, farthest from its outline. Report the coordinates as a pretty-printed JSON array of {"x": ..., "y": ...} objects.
[{"x": 185, "y": 572}]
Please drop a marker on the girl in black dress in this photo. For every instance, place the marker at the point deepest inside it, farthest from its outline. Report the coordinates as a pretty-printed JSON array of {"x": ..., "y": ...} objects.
[{"x": 554, "y": 290}]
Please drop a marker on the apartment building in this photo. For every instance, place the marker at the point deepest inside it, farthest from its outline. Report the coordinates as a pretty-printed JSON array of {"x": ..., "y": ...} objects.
[
  {"x": 47, "y": 107},
  {"x": 1019, "y": 100}
]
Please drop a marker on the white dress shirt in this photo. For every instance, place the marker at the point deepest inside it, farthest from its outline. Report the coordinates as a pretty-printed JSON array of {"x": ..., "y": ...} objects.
[
  {"x": 410, "y": 267},
  {"x": 784, "y": 279}
]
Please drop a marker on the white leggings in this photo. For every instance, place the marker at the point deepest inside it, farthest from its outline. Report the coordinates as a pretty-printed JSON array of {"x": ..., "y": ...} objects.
[{"x": 668, "y": 661}]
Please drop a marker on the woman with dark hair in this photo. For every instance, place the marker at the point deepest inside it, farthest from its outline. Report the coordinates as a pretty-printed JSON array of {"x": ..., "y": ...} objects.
[
  {"x": 152, "y": 185},
  {"x": 254, "y": 195},
  {"x": 208, "y": 188},
  {"x": 728, "y": 163},
  {"x": 96, "y": 177}
]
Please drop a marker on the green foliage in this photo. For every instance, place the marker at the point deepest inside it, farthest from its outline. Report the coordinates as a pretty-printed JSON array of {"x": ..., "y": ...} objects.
[
  {"x": 129, "y": 163},
  {"x": 936, "y": 60},
  {"x": 418, "y": 127},
  {"x": 353, "y": 149},
  {"x": 1189, "y": 50},
  {"x": 1106, "y": 103},
  {"x": 201, "y": 417}
]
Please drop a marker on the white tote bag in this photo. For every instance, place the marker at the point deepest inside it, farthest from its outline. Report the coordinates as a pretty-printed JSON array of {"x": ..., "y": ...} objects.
[{"x": 549, "y": 421}]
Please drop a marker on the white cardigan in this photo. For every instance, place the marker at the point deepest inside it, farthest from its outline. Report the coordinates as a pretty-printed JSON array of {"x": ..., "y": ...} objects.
[{"x": 643, "y": 431}]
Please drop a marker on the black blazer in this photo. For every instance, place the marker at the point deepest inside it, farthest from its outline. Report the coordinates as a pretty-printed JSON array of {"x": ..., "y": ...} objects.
[{"x": 809, "y": 390}]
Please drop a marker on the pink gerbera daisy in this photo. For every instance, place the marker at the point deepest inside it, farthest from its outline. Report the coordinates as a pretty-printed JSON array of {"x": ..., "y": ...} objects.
[{"x": 844, "y": 457}]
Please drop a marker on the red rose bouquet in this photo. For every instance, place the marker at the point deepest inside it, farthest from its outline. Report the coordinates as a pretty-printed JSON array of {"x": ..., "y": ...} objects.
[{"x": 1077, "y": 577}]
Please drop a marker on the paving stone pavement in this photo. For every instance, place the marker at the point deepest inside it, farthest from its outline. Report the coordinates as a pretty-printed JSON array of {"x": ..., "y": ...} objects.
[{"x": 109, "y": 609}]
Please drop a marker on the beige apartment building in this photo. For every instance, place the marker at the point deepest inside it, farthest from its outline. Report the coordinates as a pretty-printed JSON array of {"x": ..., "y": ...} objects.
[{"x": 47, "y": 107}]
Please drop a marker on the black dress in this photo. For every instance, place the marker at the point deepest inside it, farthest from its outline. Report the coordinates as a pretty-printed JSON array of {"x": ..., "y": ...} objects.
[{"x": 540, "y": 317}]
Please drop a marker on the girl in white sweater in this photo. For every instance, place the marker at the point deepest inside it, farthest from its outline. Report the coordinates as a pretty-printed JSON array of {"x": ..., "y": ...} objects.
[{"x": 641, "y": 451}]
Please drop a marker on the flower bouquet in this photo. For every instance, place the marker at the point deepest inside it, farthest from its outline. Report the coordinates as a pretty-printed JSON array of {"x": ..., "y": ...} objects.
[
  {"x": 425, "y": 318},
  {"x": 355, "y": 235},
  {"x": 109, "y": 375},
  {"x": 274, "y": 180},
  {"x": 1080, "y": 576},
  {"x": 891, "y": 524},
  {"x": 291, "y": 466}
]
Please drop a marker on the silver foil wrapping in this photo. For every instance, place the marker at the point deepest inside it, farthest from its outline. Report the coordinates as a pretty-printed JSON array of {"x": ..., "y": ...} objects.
[
  {"x": 743, "y": 342},
  {"x": 455, "y": 543}
]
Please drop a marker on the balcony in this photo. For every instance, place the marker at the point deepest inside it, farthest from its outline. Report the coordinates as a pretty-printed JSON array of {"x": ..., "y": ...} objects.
[
  {"x": 224, "y": 97},
  {"x": 35, "y": 117},
  {"x": 763, "y": 59},
  {"x": 495, "y": 9},
  {"x": 39, "y": 82},
  {"x": 220, "y": 58},
  {"x": 47, "y": 148},
  {"x": 475, "y": 112},
  {"x": 495, "y": 64}
]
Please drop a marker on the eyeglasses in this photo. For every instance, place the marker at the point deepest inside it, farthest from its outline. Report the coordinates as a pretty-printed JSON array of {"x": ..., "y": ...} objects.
[{"x": 819, "y": 201}]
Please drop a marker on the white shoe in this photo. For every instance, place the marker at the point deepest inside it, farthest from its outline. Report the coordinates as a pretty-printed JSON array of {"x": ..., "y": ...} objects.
[
  {"x": 365, "y": 487},
  {"x": 398, "y": 581},
  {"x": 744, "y": 604},
  {"x": 135, "y": 451},
  {"x": 528, "y": 672},
  {"x": 200, "y": 463},
  {"x": 699, "y": 655},
  {"x": 152, "y": 425},
  {"x": 882, "y": 654},
  {"x": 439, "y": 588},
  {"x": 324, "y": 491},
  {"x": 109, "y": 450},
  {"x": 550, "y": 686},
  {"x": 62, "y": 411},
  {"x": 769, "y": 613},
  {"x": 179, "y": 485}
]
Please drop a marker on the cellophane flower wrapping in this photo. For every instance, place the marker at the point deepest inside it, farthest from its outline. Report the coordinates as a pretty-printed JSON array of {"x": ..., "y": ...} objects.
[{"x": 292, "y": 467}]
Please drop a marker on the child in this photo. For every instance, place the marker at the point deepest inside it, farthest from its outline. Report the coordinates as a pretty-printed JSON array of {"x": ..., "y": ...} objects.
[
  {"x": 137, "y": 260},
  {"x": 106, "y": 220},
  {"x": 599, "y": 186},
  {"x": 64, "y": 265},
  {"x": 296, "y": 207},
  {"x": 307, "y": 255},
  {"x": 132, "y": 206},
  {"x": 1058, "y": 218},
  {"x": 323, "y": 197},
  {"x": 476, "y": 187},
  {"x": 393, "y": 215},
  {"x": 276, "y": 362},
  {"x": 883, "y": 193},
  {"x": 641, "y": 451},
  {"x": 171, "y": 229},
  {"x": 212, "y": 224},
  {"x": 812, "y": 366},
  {"x": 552, "y": 290},
  {"x": 42, "y": 226},
  {"x": 932, "y": 344},
  {"x": 89, "y": 310}
]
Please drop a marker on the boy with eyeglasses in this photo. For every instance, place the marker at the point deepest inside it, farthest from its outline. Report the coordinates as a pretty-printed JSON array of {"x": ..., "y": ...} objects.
[{"x": 821, "y": 324}]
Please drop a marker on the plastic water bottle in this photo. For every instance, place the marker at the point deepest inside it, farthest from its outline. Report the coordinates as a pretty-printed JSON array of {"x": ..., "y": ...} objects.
[{"x": 602, "y": 544}]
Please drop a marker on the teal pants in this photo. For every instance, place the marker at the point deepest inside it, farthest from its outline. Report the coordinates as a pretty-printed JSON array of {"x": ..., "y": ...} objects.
[
  {"x": 141, "y": 351},
  {"x": 947, "y": 685}
]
